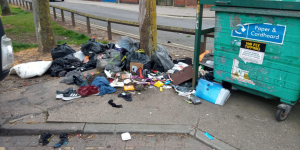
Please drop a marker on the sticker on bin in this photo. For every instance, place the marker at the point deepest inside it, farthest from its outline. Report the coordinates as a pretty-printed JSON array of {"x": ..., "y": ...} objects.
[
  {"x": 251, "y": 51},
  {"x": 262, "y": 32},
  {"x": 240, "y": 74}
]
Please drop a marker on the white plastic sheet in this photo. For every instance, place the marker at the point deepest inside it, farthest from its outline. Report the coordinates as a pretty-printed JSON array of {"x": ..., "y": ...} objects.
[{"x": 31, "y": 69}]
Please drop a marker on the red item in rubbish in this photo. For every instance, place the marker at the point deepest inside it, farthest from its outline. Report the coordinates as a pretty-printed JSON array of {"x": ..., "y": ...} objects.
[
  {"x": 141, "y": 73},
  {"x": 155, "y": 71},
  {"x": 88, "y": 90},
  {"x": 26, "y": 83},
  {"x": 110, "y": 80}
]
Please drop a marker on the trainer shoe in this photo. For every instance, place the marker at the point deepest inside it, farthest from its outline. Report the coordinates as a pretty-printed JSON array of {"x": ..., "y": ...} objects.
[
  {"x": 71, "y": 95},
  {"x": 60, "y": 94}
]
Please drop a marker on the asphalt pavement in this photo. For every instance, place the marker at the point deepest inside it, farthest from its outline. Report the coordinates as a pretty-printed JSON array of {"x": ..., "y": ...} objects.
[{"x": 94, "y": 8}]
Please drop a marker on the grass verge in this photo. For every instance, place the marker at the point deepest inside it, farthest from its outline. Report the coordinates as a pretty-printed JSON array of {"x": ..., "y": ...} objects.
[{"x": 23, "y": 28}]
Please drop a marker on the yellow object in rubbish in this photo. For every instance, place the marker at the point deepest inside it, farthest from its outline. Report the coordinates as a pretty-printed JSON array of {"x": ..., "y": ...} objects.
[
  {"x": 161, "y": 89},
  {"x": 129, "y": 88},
  {"x": 202, "y": 55},
  {"x": 158, "y": 84}
]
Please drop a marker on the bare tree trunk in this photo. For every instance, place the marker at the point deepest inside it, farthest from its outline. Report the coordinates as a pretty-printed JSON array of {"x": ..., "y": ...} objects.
[
  {"x": 43, "y": 25},
  {"x": 148, "y": 28},
  {"x": 5, "y": 8}
]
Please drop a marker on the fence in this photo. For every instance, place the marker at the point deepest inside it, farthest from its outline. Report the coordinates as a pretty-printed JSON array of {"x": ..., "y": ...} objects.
[{"x": 109, "y": 21}]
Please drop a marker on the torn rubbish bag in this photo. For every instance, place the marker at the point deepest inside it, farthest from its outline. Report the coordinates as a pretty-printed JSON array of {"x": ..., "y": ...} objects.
[
  {"x": 127, "y": 43},
  {"x": 162, "y": 61},
  {"x": 61, "y": 51},
  {"x": 91, "y": 47},
  {"x": 140, "y": 57},
  {"x": 103, "y": 85}
]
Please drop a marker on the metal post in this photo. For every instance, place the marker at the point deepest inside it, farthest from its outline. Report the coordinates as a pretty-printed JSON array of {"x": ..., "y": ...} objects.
[
  {"x": 20, "y": 3},
  {"x": 73, "y": 18},
  {"x": 17, "y": 2},
  {"x": 23, "y": 3},
  {"x": 9, "y": 1},
  {"x": 26, "y": 5},
  {"x": 109, "y": 30},
  {"x": 88, "y": 24},
  {"x": 198, "y": 30},
  {"x": 30, "y": 4},
  {"x": 54, "y": 12},
  {"x": 62, "y": 15}
]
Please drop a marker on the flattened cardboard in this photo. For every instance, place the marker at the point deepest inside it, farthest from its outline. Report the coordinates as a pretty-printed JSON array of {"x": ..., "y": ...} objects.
[
  {"x": 182, "y": 75},
  {"x": 137, "y": 66}
]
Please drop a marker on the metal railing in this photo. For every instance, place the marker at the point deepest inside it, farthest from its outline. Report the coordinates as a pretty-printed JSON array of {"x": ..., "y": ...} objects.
[{"x": 28, "y": 5}]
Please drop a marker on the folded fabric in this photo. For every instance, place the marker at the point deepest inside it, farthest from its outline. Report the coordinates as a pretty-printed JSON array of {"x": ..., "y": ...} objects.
[
  {"x": 45, "y": 138},
  {"x": 103, "y": 85},
  {"x": 63, "y": 140},
  {"x": 127, "y": 96}
]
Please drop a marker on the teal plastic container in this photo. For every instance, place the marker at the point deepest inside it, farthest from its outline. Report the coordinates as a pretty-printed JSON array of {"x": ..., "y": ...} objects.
[{"x": 258, "y": 51}]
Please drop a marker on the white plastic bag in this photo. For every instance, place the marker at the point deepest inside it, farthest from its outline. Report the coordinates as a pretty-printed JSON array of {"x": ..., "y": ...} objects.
[{"x": 31, "y": 69}]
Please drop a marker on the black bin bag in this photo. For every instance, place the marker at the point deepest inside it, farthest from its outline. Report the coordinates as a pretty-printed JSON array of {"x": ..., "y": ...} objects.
[{"x": 61, "y": 51}]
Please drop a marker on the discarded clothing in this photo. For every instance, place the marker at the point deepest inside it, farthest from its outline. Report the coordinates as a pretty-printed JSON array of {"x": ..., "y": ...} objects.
[
  {"x": 45, "y": 138},
  {"x": 67, "y": 63},
  {"x": 103, "y": 85},
  {"x": 69, "y": 77},
  {"x": 125, "y": 96},
  {"x": 110, "y": 102},
  {"x": 208, "y": 76},
  {"x": 63, "y": 140}
]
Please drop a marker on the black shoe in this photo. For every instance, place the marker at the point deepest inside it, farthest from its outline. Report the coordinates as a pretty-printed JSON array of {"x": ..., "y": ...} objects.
[
  {"x": 79, "y": 81},
  {"x": 60, "y": 94},
  {"x": 71, "y": 95}
]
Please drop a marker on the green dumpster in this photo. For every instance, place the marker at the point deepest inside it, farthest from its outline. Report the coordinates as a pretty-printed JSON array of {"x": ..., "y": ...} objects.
[{"x": 257, "y": 48}]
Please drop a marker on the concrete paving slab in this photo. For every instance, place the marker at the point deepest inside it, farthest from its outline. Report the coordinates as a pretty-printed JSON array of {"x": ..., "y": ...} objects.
[
  {"x": 99, "y": 128},
  {"x": 215, "y": 143},
  {"x": 146, "y": 128},
  {"x": 149, "y": 107},
  {"x": 36, "y": 129}
]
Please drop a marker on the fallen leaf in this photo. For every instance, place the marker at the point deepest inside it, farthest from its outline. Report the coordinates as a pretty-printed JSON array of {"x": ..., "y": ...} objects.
[{"x": 32, "y": 122}]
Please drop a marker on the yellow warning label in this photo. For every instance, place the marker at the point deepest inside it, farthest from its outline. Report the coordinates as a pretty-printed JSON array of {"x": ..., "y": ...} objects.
[
  {"x": 236, "y": 74},
  {"x": 246, "y": 76}
]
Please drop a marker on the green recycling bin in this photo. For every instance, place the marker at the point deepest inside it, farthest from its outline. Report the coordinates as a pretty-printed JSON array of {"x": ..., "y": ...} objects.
[{"x": 257, "y": 48}]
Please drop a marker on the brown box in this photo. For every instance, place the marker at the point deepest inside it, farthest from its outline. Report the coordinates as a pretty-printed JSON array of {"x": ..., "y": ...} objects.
[{"x": 136, "y": 66}]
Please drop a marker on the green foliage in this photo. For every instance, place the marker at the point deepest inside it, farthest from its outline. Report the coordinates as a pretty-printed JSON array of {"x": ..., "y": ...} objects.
[
  {"x": 23, "y": 26},
  {"x": 20, "y": 46}
]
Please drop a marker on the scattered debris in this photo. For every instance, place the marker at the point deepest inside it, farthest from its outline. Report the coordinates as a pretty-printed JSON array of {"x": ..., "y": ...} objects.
[{"x": 125, "y": 136}]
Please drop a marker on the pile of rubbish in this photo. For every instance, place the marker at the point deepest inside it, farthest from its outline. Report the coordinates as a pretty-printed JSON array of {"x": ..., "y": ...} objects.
[{"x": 123, "y": 65}]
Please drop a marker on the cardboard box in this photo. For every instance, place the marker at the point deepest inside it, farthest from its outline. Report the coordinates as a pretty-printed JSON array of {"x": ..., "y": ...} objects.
[{"x": 135, "y": 66}]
